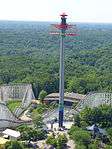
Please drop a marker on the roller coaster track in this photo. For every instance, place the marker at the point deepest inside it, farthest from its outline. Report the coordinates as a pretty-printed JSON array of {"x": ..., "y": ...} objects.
[
  {"x": 95, "y": 100},
  {"x": 91, "y": 100},
  {"x": 22, "y": 92},
  {"x": 7, "y": 118},
  {"x": 12, "y": 121}
]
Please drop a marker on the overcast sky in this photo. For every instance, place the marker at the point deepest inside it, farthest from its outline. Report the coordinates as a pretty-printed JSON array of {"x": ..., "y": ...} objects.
[{"x": 49, "y": 10}]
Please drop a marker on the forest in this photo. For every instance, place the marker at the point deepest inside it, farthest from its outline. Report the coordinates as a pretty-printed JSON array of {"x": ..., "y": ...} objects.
[{"x": 29, "y": 54}]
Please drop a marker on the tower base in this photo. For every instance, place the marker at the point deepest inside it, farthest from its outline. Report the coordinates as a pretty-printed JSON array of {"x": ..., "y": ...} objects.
[{"x": 61, "y": 119}]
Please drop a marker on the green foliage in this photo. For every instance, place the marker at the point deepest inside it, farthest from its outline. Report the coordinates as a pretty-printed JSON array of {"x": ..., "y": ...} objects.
[
  {"x": 28, "y": 133},
  {"x": 35, "y": 132},
  {"x": 95, "y": 144},
  {"x": 42, "y": 95},
  {"x": 29, "y": 55},
  {"x": 77, "y": 120},
  {"x": 87, "y": 82},
  {"x": 52, "y": 141},
  {"x": 13, "y": 145},
  {"x": 80, "y": 146},
  {"x": 37, "y": 120},
  {"x": 109, "y": 131},
  {"x": 100, "y": 115},
  {"x": 41, "y": 108},
  {"x": 73, "y": 129},
  {"x": 13, "y": 104},
  {"x": 80, "y": 136},
  {"x": 89, "y": 116},
  {"x": 59, "y": 142},
  {"x": 108, "y": 147},
  {"x": 83, "y": 137},
  {"x": 25, "y": 132}
]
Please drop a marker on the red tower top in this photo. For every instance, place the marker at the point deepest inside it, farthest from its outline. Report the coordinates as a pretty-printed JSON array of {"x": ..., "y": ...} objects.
[
  {"x": 63, "y": 14},
  {"x": 63, "y": 26}
]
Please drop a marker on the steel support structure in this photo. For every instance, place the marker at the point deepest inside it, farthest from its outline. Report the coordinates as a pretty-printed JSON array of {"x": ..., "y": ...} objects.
[
  {"x": 63, "y": 26},
  {"x": 61, "y": 84}
]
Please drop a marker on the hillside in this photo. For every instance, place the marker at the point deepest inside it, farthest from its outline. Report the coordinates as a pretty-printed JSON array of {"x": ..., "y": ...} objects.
[{"x": 29, "y": 54}]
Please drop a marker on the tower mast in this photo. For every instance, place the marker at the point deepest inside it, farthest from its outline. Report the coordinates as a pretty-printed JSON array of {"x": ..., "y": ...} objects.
[
  {"x": 61, "y": 84},
  {"x": 63, "y": 26}
]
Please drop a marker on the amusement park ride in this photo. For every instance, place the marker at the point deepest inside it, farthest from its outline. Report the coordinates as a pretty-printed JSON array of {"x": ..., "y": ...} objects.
[
  {"x": 63, "y": 27},
  {"x": 25, "y": 94}
]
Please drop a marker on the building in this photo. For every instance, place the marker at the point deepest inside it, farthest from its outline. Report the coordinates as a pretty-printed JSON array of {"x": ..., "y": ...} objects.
[
  {"x": 69, "y": 98},
  {"x": 12, "y": 134}
]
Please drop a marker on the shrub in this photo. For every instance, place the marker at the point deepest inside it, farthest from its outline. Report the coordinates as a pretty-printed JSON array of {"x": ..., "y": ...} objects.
[
  {"x": 80, "y": 146},
  {"x": 101, "y": 115},
  {"x": 77, "y": 120},
  {"x": 13, "y": 145},
  {"x": 28, "y": 133},
  {"x": 109, "y": 131},
  {"x": 95, "y": 144},
  {"x": 61, "y": 141},
  {"x": 80, "y": 136},
  {"x": 42, "y": 95},
  {"x": 52, "y": 141},
  {"x": 108, "y": 147}
]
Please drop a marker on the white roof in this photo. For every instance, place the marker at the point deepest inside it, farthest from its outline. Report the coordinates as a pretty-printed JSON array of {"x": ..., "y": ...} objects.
[
  {"x": 67, "y": 95},
  {"x": 91, "y": 128},
  {"x": 11, "y": 133}
]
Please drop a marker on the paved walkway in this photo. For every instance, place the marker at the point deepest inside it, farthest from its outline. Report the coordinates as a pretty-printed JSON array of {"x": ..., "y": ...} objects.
[
  {"x": 70, "y": 143},
  {"x": 42, "y": 144},
  {"x": 55, "y": 125},
  {"x": 24, "y": 116}
]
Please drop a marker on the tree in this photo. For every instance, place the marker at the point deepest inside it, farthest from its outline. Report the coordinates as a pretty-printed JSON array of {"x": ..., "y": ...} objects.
[
  {"x": 42, "y": 95},
  {"x": 29, "y": 133},
  {"x": 37, "y": 119},
  {"x": 52, "y": 141},
  {"x": 61, "y": 141},
  {"x": 100, "y": 115},
  {"x": 80, "y": 136},
  {"x": 87, "y": 67},
  {"x": 77, "y": 120}
]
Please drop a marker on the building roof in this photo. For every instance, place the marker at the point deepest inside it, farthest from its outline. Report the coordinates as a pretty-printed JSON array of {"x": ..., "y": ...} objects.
[
  {"x": 72, "y": 95},
  {"x": 12, "y": 133},
  {"x": 91, "y": 128}
]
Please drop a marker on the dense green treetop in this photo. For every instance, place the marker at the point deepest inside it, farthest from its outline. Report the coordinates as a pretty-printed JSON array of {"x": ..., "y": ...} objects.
[{"x": 28, "y": 54}]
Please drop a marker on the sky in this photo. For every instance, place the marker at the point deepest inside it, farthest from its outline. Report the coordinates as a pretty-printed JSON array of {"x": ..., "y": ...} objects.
[{"x": 49, "y": 10}]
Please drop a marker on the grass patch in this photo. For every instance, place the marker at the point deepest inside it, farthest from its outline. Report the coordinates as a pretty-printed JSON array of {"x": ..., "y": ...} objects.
[{"x": 13, "y": 104}]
